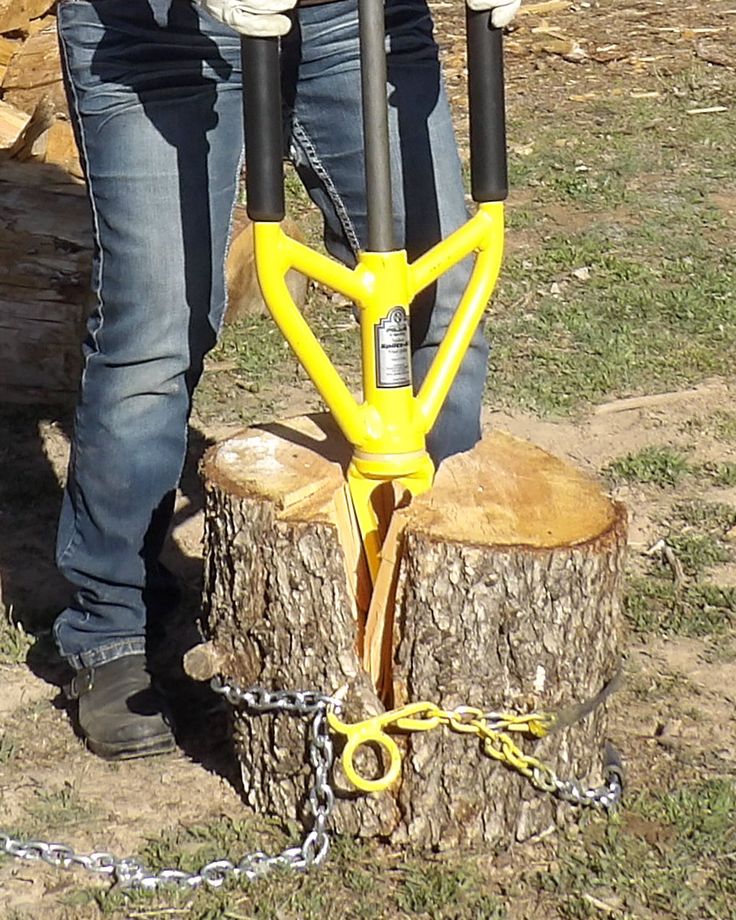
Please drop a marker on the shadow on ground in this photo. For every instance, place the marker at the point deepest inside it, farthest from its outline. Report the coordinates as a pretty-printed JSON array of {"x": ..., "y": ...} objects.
[{"x": 34, "y": 455}]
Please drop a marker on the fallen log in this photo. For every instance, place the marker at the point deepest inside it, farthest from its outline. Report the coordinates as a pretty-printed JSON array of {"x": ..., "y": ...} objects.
[
  {"x": 45, "y": 261},
  {"x": 506, "y": 596}
]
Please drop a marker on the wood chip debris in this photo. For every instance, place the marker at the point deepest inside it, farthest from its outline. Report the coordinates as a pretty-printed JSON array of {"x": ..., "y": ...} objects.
[{"x": 708, "y": 110}]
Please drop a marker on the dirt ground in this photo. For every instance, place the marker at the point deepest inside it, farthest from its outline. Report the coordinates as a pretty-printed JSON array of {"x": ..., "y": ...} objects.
[{"x": 674, "y": 719}]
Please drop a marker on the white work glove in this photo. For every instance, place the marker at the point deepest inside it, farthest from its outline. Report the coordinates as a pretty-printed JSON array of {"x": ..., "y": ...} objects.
[
  {"x": 503, "y": 10},
  {"x": 256, "y": 18}
]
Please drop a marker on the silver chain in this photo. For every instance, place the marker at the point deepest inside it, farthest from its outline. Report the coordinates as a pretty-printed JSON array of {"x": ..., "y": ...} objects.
[
  {"x": 131, "y": 874},
  {"x": 606, "y": 796}
]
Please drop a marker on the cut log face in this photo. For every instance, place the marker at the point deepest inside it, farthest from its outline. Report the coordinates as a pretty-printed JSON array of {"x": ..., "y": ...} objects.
[
  {"x": 505, "y": 595},
  {"x": 244, "y": 297}
]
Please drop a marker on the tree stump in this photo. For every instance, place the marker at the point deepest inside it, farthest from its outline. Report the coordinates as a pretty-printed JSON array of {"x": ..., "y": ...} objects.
[{"x": 506, "y": 595}]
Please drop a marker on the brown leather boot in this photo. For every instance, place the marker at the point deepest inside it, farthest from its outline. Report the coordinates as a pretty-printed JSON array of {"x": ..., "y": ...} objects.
[{"x": 121, "y": 715}]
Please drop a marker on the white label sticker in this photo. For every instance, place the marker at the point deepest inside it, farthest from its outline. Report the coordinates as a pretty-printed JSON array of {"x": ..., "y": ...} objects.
[{"x": 393, "y": 350}]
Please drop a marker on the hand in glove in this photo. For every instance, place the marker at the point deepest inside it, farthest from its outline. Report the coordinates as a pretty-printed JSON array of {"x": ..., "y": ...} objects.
[
  {"x": 503, "y": 10},
  {"x": 256, "y": 18}
]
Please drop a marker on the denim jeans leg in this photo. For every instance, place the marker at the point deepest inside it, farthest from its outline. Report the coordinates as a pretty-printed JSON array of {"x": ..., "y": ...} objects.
[
  {"x": 157, "y": 115},
  {"x": 323, "y": 90}
]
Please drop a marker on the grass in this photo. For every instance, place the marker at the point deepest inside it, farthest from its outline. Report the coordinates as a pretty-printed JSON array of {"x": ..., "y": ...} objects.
[
  {"x": 669, "y": 855},
  {"x": 697, "y": 551},
  {"x": 633, "y": 320},
  {"x": 664, "y": 467},
  {"x": 653, "y": 603},
  {"x": 696, "y": 534},
  {"x": 360, "y": 881},
  {"x": 14, "y": 640},
  {"x": 672, "y": 593},
  {"x": 258, "y": 373},
  {"x": 655, "y": 308},
  {"x": 7, "y": 748},
  {"x": 721, "y": 424},
  {"x": 58, "y": 809},
  {"x": 714, "y": 517},
  {"x": 192, "y": 847},
  {"x": 721, "y": 474}
]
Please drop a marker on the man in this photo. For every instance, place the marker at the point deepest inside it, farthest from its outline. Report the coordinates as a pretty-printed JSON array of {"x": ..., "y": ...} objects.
[{"x": 154, "y": 89}]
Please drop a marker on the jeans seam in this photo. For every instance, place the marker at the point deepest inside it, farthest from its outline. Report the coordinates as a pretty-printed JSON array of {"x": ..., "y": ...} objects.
[
  {"x": 103, "y": 654},
  {"x": 97, "y": 287},
  {"x": 231, "y": 221},
  {"x": 299, "y": 133}
]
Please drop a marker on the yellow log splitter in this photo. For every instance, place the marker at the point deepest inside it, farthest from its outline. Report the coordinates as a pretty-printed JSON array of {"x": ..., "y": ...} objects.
[{"x": 388, "y": 429}]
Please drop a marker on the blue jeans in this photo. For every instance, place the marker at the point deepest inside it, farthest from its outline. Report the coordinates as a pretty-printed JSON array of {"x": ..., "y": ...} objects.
[{"x": 155, "y": 95}]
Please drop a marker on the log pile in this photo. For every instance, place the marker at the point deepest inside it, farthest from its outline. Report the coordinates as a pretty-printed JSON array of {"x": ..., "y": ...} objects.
[
  {"x": 34, "y": 121},
  {"x": 45, "y": 234}
]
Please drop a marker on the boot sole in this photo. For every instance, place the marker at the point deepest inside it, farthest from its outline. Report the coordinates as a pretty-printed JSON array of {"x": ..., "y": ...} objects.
[{"x": 132, "y": 750}]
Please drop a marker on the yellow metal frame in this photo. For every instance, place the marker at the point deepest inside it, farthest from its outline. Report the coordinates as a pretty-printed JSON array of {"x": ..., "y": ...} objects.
[{"x": 388, "y": 429}]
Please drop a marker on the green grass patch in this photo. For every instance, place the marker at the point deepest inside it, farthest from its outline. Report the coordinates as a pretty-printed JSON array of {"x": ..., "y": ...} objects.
[
  {"x": 257, "y": 349},
  {"x": 714, "y": 517},
  {"x": 660, "y": 466},
  {"x": 445, "y": 892},
  {"x": 577, "y": 320},
  {"x": 190, "y": 848},
  {"x": 637, "y": 292},
  {"x": 721, "y": 474},
  {"x": 14, "y": 640},
  {"x": 653, "y": 603},
  {"x": 362, "y": 881},
  {"x": 253, "y": 372},
  {"x": 696, "y": 532},
  {"x": 669, "y": 855},
  {"x": 697, "y": 551},
  {"x": 57, "y": 809}
]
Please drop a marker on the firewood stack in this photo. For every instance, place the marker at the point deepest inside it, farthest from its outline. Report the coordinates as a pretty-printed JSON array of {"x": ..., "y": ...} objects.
[{"x": 34, "y": 121}]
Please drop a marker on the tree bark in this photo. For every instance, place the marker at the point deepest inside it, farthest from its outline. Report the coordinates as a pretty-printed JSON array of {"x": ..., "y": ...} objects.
[
  {"x": 45, "y": 261},
  {"x": 506, "y": 596}
]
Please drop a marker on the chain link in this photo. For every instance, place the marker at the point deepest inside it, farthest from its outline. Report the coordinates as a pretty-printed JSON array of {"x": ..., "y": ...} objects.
[
  {"x": 494, "y": 731},
  {"x": 491, "y": 727},
  {"x": 131, "y": 874}
]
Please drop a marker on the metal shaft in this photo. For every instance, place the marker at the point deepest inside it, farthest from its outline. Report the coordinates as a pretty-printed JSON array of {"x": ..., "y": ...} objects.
[{"x": 375, "y": 126}]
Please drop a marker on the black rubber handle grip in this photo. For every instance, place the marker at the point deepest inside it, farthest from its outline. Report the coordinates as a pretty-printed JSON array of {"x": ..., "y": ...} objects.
[
  {"x": 264, "y": 146},
  {"x": 487, "y": 108}
]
